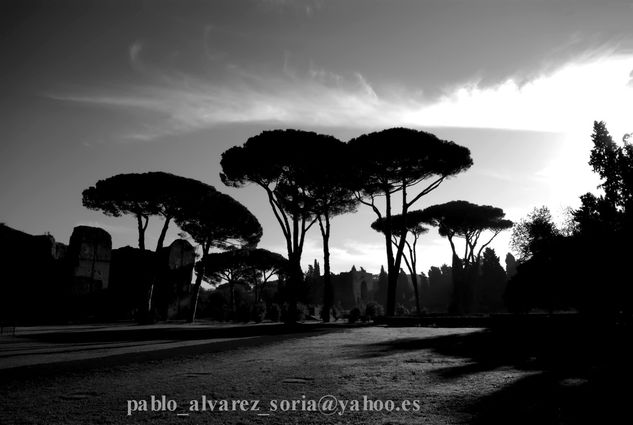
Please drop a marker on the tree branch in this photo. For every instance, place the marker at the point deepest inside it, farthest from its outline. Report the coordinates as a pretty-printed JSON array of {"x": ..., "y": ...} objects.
[
  {"x": 371, "y": 204},
  {"x": 283, "y": 223},
  {"x": 428, "y": 189},
  {"x": 496, "y": 232}
]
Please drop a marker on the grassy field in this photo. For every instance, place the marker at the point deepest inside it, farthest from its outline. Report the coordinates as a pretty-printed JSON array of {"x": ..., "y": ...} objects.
[{"x": 444, "y": 376}]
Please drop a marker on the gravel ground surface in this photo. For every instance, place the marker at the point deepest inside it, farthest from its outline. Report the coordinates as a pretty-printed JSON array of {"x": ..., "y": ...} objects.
[{"x": 439, "y": 375}]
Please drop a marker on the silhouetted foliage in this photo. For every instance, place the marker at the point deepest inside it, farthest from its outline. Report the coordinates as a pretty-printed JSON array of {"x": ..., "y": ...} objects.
[
  {"x": 232, "y": 267},
  {"x": 405, "y": 294},
  {"x": 411, "y": 225},
  {"x": 492, "y": 283},
  {"x": 142, "y": 195},
  {"x": 354, "y": 315},
  {"x": 265, "y": 264},
  {"x": 329, "y": 191},
  {"x": 586, "y": 267},
  {"x": 284, "y": 163},
  {"x": 533, "y": 233},
  {"x": 381, "y": 287},
  {"x": 468, "y": 221},
  {"x": 604, "y": 227},
  {"x": 241, "y": 276},
  {"x": 216, "y": 220},
  {"x": 373, "y": 310},
  {"x": 440, "y": 288},
  {"x": 395, "y": 161},
  {"x": 511, "y": 265}
]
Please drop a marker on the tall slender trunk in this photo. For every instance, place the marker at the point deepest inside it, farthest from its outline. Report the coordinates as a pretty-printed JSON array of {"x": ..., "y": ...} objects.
[
  {"x": 232, "y": 297},
  {"x": 414, "y": 280},
  {"x": 414, "y": 271},
  {"x": 163, "y": 233},
  {"x": 459, "y": 291},
  {"x": 194, "y": 298},
  {"x": 150, "y": 295},
  {"x": 411, "y": 265},
  {"x": 196, "y": 287},
  {"x": 141, "y": 231},
  {"x": 328, "y": 289},
  {"x": 294, "y": 282},
  {"x": 142, "y": 222},
  {"x": 392, "y": 271},
  {"x": 155, "y": 266}
]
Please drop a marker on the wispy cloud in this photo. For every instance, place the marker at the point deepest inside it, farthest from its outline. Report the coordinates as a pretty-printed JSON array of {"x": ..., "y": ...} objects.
[{"x": 595, "y": 87}]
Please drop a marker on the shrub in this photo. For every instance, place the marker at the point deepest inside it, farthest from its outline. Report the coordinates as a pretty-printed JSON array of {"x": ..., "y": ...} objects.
[
  {"x": 401, "y": 310},
  {"x": 274, "y": 313},
  {"x": 300, "y": 315},
  {"x": 259, "y": 312},
  {"x": 354, "y": 315},
  {"x": 243, "y": 312},
  {"x": 373, "y": 310}
]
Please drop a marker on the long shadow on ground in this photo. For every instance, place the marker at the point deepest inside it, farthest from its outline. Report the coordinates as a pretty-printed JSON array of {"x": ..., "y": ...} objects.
[
  {"x": 581, "y": 371},
  {"x": 228, "y": 338},
  {"x": 176, "y": 332}
]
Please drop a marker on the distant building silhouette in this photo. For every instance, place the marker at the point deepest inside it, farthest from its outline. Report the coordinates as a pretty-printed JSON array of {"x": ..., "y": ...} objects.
[
  {"x": 89, "y": 255},
  {"x": 44, "y": 281},
  {"x": 31, "y": 270},
  {"x": 171, "y": 294}
]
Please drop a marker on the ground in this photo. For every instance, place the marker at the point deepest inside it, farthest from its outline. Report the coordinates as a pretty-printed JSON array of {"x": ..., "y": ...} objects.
[{"x": 454, "y": 376}]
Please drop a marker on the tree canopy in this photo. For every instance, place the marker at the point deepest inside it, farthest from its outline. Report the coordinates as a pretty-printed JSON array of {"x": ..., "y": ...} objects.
[
  {"x": 409, "y": 162},
  {"x": 216, "y": 220},
  {"x": 412, "y": 224},
  {"x": 611, "y": 211},
  {"x": 282, "y": 162},
  {"x": 244, "y": 264},
  {"x": 394, "y": 159},
  {"x": 290, "y": 166},
  {"x": 469, "y": 221},
  {"x": 614, "y": 164},
  {"x": 328, "y": 185},
  {"x": 533, "y": 233},
  {"x": 143, "y": 195},
  {"x": 585, "y": 267}
]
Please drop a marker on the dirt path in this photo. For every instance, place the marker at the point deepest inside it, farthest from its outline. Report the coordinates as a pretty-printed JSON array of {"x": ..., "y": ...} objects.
[{"x": 364, "y": 364}]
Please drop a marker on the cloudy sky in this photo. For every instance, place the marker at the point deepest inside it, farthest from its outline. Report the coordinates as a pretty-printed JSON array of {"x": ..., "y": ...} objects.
[{"x": 93, "y": 88}]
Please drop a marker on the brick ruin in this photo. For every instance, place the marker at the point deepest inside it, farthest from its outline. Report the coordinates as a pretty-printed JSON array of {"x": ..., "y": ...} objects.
[{"x": 46, "y": 280}]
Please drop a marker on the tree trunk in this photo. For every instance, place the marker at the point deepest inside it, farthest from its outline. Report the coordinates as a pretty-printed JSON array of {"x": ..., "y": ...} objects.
[
  {"x": 194, "y": 298},
  {"x": 414, "y": 281},
  {"x": 156, "y": 268},
  {"x": 150, "y": 262},
  {"x": 141, "y": 232},
  {"x": 163, "y": 233},
  {"x": 294, "y": 282},
  {"x": 392, "y": 284},
  {"x": 392, "y": 271},
  {"x": 459, "y": 281},
  {"x": 232, "y": 297},
  {"x": 196, "y": 287},
  {"x": 328, "y": 290}
]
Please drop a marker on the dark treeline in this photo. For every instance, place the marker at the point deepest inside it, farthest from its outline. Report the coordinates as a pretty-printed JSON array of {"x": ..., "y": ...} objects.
[{"x": 584, "y": 265}]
